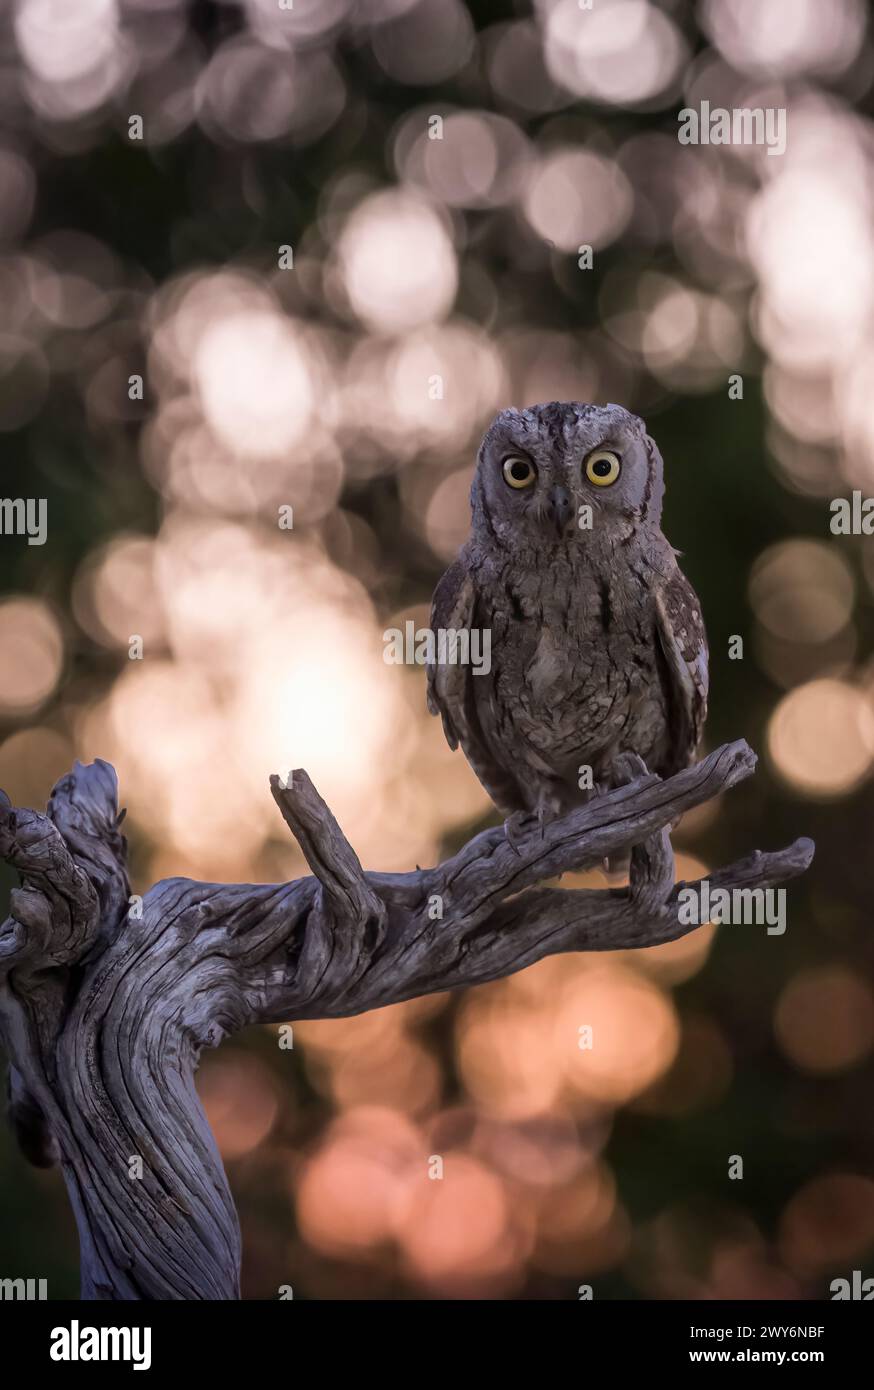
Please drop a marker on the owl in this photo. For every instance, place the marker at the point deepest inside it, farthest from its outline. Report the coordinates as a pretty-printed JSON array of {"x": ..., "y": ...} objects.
[{"x": 595, "y": 639}]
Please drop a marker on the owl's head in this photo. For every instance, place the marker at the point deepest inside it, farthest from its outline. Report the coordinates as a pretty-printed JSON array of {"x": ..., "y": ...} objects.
[{"x": 537, "y": 468}]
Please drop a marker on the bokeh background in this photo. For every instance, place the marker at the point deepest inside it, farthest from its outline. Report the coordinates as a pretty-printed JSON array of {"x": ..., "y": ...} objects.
[{"x": 430, "y": 283}]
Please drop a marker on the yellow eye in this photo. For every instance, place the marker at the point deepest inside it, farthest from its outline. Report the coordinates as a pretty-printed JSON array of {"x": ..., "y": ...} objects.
[
  {"x": 602, "y": 468},
  {"x": 518, "y": 472}
]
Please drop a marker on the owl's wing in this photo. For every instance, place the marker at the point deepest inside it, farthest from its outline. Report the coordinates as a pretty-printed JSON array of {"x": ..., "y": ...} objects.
[
  {"x": 450, "y": 687},
  {"x": 684, "y": 643}
]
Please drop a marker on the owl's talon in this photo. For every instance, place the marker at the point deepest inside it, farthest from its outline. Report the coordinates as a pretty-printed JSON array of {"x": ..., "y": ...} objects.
[
  {"x": 625, "y": 769},
  {"x": 515, "y": 829}
]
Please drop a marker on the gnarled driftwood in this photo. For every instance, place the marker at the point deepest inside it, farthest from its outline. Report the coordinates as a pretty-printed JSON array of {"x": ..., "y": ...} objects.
[{"x": 103, "y": 1013}]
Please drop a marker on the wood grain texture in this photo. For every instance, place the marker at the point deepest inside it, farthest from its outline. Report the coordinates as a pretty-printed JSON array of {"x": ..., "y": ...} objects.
[{"x": 104, "y": 1013}]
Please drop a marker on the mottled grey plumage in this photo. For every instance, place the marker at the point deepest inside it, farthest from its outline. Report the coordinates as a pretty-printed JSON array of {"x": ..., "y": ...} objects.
[{"x": 597, "y": 642}]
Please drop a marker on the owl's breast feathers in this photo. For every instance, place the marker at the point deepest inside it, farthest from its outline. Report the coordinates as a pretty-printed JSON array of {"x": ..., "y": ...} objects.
[{"x": 584, "y": 666}]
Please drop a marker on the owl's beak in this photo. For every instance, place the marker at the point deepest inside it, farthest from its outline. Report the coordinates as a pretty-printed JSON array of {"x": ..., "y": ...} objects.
[{"x": 560, "y": 509}]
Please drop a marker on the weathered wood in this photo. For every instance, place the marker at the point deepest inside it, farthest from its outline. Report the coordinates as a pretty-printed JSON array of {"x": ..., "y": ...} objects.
[{"x": 104, "y": 1013}]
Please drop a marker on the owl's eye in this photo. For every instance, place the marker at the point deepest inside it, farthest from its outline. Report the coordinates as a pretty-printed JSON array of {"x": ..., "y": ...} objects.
[
  {"x": 602, "y": 468},
  {"x": 518, "y": 472}
]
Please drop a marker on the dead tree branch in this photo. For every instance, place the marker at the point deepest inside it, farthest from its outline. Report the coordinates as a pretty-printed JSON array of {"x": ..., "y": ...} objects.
[{"x": 104, "y": 1012}]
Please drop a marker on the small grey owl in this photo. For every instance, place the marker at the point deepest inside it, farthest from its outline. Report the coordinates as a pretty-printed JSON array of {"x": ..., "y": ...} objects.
[{"x": 597, "y": 642}]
